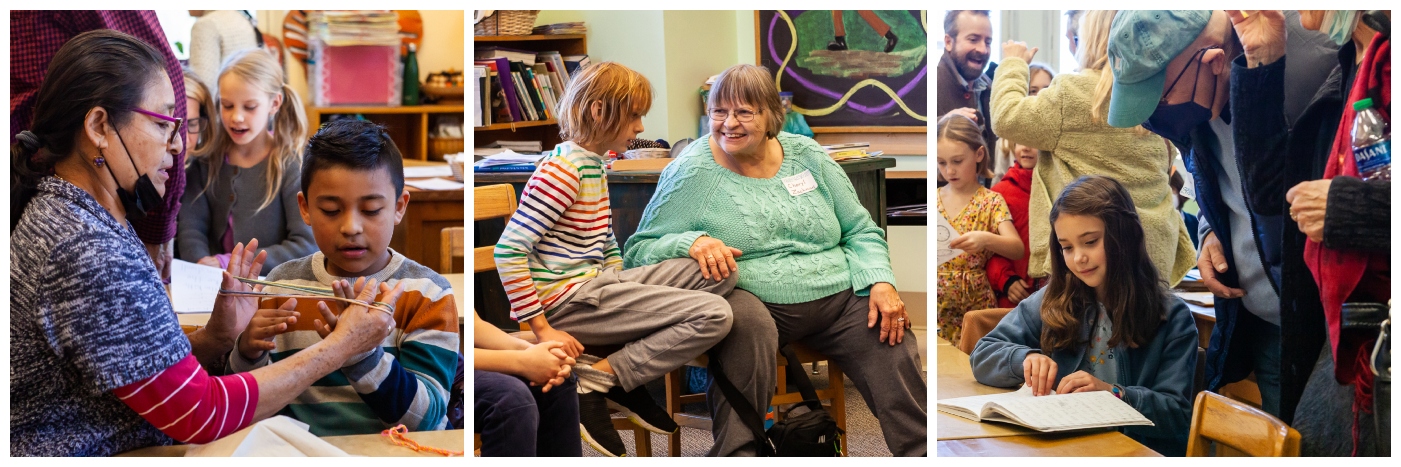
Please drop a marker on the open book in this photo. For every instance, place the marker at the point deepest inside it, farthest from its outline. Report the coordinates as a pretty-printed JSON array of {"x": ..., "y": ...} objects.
[{"x": 1057, "y": 412}]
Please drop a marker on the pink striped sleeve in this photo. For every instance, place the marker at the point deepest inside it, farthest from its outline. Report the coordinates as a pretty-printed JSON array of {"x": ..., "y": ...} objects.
[{"x": 187, "y": 404}]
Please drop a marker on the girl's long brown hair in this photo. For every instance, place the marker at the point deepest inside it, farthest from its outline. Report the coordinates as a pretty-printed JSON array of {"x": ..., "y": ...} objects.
[{"x": 1134, "y": 296}]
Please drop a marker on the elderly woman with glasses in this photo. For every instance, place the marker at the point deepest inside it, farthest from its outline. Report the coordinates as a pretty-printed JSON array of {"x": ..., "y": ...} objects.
[
  {"x": 98, "y": 362},
  {"x": 813, "y": 267}
]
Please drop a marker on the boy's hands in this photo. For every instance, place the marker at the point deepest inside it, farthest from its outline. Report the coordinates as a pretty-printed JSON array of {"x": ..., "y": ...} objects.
[
  {"x": 361, "y": 328},
  {"x": 545, "y": 364},
  {"x": 544, "y": 333},
  {"x": 266, "y": 324},
  {"x": 330, "y": 310}
]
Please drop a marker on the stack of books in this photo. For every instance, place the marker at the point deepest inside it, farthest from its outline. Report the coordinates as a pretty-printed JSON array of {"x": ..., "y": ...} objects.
[
  {"x": 850, "y": 151},
  {"x": 520, "y": 85},
  {"x": 575, "y": 27},
  {"x": 354, "y": 27}
]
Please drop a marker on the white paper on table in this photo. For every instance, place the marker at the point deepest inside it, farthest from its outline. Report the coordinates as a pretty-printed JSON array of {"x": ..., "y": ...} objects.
[
  {"x": 194, "y": 287},
  {"x": 944, "y": 234},
  {"x": 278, "y": 436},
  {"x": 427, "y": 171},
  {"x": 435, "y": 184}
]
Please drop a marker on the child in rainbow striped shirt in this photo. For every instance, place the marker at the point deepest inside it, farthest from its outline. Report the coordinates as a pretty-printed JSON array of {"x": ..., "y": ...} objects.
[{"x": 562, "y": 268}]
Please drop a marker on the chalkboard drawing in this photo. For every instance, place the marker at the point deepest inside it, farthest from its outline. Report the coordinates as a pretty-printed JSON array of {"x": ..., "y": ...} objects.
[
  {"x": 839, "y": 42},
  {"x": 864, "y": 69}
]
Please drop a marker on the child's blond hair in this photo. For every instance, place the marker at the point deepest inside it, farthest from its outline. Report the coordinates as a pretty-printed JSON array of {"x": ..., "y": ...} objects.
[
  {"x": 259, "y": 69},
  {"x": 195, "y": 89},
  {"x": 621, "y": 91}
]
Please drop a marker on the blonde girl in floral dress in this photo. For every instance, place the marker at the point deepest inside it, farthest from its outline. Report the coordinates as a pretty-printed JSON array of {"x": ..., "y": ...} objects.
[{"x": 982, "y": 217}]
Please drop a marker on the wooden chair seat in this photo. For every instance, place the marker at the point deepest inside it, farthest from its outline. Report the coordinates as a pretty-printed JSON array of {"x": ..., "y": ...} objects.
[
  {"x": 1233, "y": 424},
  {"x": 979, "y": 323}
]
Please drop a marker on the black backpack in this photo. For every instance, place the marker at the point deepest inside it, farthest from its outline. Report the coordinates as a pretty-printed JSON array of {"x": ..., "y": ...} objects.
[{"x": 810, "y": 434}]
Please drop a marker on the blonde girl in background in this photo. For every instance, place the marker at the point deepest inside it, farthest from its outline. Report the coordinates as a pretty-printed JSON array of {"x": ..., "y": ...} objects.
[
  {"x": 199, "y": 112},
  {"x": 979, "y": 214},
  {"x": 243, "y": 184}
]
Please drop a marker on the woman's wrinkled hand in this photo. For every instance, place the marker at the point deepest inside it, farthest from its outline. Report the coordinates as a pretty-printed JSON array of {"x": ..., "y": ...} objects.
[
  {"x": 887, "y": 308},
  {"x": 716, "y": 260}
]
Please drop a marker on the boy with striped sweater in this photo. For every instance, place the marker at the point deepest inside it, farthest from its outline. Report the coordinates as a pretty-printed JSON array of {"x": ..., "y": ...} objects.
[
  {"x": 352, "y": 197},
  {"x": 562, "y": 269}
]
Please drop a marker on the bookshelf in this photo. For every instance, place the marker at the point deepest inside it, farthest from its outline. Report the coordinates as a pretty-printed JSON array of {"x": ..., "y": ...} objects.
[
  {"x": 545, "y": 131},
  {"x": 407, "y": 125}
]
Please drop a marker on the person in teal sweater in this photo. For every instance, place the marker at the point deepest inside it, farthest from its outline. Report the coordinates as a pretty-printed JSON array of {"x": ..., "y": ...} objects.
[{"x": 813, "y": 267}]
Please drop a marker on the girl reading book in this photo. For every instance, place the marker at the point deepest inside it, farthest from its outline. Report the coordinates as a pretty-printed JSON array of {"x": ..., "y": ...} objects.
[{"x": 1105, "y": 322}]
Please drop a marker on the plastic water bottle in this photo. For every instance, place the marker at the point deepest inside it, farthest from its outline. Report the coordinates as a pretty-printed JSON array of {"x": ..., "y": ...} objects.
[{"x": 1371, "y": 142}]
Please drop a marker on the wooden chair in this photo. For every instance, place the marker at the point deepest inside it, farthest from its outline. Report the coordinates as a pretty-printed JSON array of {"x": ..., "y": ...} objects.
[
  {"x": 835, "y": 391},
  {"x": 979, "y": 323},
  {"x": 499, "y": 201},
  {"x": 453, "y": 247},
  {"x": 490, "y": 202},
  {"x": 1238, "y": 426}
]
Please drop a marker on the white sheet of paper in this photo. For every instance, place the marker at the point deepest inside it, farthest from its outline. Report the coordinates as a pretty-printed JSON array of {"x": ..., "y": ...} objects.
[
  {"x": 435, "y": 184},
  {"x": 427, "y": 171},
  {"x": 944, "y": 234},
  {"x": 193, "y": 287},
  {"x": 278, "y": 436}
]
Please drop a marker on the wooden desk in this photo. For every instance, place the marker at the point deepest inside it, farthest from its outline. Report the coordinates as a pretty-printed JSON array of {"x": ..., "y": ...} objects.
[
  {"x": 1105, "y": 444},
  {"x": 959, "y": 436},
  {"x": 419, "y": 235},
  {"x": 629, "y": 194},
  {"x": 373, "y": 445}
]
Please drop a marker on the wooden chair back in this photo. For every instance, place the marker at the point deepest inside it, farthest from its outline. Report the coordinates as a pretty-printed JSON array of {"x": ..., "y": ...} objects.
[
  {"x": 454, "y": 246},
  {"x": 490, "y": 202},
  {"x": 979, "y": 323},
  {"x": 1239, "y": 426}
]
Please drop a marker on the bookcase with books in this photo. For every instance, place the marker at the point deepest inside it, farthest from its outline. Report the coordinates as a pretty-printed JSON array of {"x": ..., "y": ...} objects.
[{"x": 520, "y": 104}]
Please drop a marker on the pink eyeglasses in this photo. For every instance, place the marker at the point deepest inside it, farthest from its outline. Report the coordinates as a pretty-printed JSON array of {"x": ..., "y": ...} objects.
[{"x": 178, "y": 121}]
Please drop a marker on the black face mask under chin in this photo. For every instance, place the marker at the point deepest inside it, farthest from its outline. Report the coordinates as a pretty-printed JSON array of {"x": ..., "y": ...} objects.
[
  {"x": 1176, "y": 121},
  {"x": 146, "y": 197}
]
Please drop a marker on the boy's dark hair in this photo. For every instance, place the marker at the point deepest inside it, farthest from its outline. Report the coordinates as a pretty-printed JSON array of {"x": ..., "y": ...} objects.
[{"x": 354, "y": 144}]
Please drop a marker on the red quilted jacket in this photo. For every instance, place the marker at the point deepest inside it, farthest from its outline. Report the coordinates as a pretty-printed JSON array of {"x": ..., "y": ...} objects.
[{"x": 1015, "y": 188}]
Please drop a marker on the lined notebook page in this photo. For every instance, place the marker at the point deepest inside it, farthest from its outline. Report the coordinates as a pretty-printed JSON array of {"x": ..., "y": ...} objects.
[{"x": 1072, "y": 411}]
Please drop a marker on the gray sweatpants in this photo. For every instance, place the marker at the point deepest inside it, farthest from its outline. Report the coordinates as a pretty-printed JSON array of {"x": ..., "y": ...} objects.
[
  {"x": 666, "y": 314},
  {"x": 888, "y": 377}
]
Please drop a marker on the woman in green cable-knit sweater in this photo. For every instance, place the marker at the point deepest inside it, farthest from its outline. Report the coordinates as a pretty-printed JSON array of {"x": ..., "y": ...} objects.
[{"x": 813, "y": 267}]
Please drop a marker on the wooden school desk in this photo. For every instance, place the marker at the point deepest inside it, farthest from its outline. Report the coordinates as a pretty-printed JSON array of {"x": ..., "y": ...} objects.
[
  {"x": 629, "y": 194},
  {"x": 419, "y": 236},
  {"x": 373, "y": 445},
  {"x": 959, "y": 436}
]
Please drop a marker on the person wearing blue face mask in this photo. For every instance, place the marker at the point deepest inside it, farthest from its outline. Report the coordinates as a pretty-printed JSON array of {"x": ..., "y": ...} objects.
[
  {"x": 1172, "y": 75},
  {"x": 1283, "y": 155}
]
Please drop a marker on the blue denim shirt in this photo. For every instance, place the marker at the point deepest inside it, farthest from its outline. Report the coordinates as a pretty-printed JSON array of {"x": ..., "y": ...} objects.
[{"x": 1157, "y": 377}]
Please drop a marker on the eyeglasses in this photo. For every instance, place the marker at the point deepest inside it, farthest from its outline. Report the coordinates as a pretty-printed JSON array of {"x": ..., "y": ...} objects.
[
  {"x": 741, "y": 115},
  {"x": 193, "y": 125},
  {"x": 178, "y": 122}
]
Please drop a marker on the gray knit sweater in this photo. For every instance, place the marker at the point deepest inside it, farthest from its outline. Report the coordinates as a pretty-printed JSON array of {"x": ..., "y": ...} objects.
[
  {"x": 278, "y": 227},
  {"x": 88, "y": 314}
]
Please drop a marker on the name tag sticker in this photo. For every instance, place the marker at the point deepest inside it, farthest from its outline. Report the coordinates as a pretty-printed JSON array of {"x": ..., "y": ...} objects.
[{"x": 800, "y": 183}]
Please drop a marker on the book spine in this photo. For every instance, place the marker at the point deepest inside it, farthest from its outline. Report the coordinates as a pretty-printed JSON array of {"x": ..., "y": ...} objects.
[{"x": 506, "y": 168}]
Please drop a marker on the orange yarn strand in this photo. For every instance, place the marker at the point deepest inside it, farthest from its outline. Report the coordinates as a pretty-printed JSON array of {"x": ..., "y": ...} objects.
[{"x": 396, "y": 436}]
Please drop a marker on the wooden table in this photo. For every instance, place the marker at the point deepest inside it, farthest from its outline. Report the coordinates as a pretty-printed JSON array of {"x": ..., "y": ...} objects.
[
  {"x": 958, "y": 436},
  {"x": 373, "y": 445},
  {"x": 419, "y": 235},
  {"x": 629, "y": 194}
]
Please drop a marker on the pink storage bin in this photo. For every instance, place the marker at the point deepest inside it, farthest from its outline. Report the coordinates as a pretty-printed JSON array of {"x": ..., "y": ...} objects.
[{"x": 356, "y": 75}]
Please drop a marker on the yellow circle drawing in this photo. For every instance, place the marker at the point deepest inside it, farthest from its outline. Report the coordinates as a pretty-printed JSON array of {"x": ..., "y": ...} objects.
[{"x": 792, "y": 30}]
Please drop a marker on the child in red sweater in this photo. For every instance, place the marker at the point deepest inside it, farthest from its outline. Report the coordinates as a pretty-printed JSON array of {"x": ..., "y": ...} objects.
[{"x": 1007, "y": 277}]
